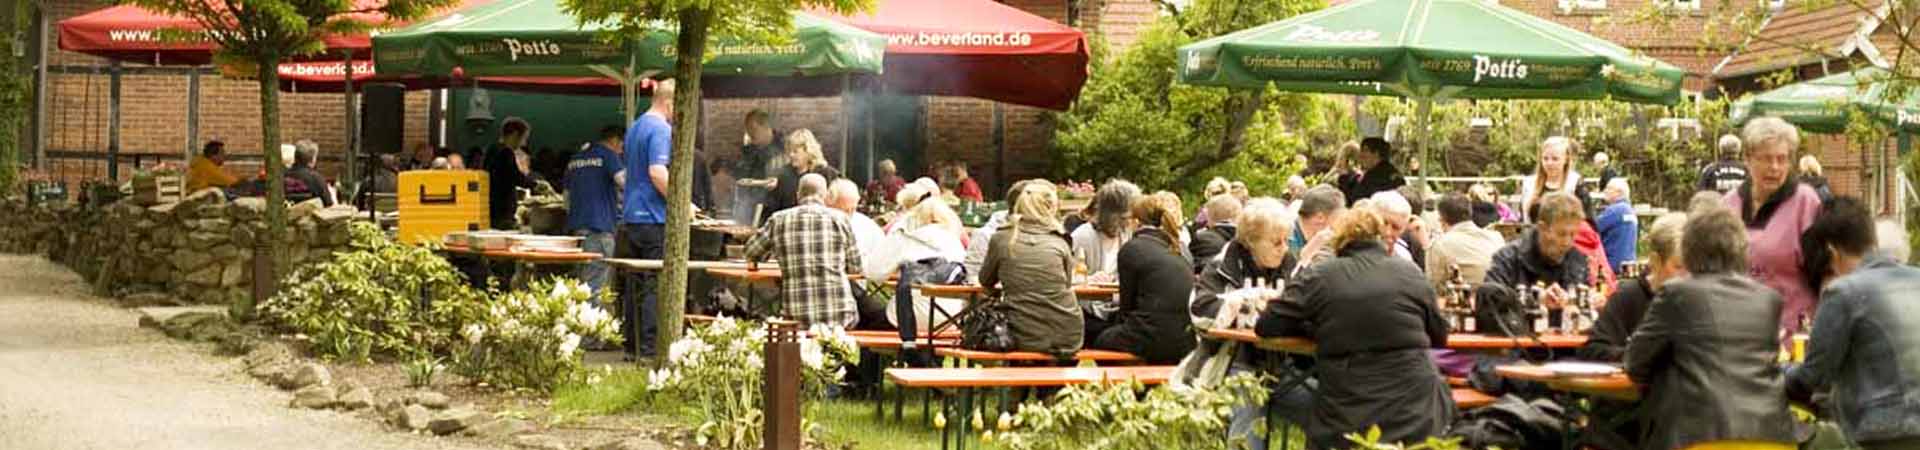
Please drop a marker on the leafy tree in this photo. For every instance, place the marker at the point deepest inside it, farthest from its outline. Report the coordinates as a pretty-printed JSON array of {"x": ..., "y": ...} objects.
[
  {"x": 695, "y": 21},
  {"x": 254, "y": 36},
  {"x": 1133, "y": 120},
  {"x": 15, "y": 86}
]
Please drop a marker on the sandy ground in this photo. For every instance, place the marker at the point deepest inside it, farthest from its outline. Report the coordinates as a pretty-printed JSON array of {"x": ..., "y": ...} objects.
[{"x": 76, "y": 373}]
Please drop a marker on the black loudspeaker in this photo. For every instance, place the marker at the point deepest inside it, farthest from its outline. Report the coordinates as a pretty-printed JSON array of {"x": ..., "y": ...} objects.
[{"x": 383, "y": 118}]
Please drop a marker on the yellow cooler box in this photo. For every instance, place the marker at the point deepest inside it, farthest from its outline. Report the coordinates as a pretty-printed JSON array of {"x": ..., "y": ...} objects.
[{"x": 436, "y": 202}]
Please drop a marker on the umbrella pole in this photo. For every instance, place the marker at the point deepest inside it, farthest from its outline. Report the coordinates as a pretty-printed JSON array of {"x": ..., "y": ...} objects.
[
  {"x": 1424, "y": 113},
  {"x": 628, "y": 94}
]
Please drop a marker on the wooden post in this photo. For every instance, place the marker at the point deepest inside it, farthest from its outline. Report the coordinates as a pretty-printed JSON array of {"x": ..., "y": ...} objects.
[
  {"x": 113, "y": 122},
  {"x": 782, "y": 392}
]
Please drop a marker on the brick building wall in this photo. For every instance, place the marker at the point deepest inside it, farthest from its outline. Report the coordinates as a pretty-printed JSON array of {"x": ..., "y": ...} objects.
[
  {"x": 154, "y": 108},
  {"x": 1676, "y": 40},
  {"x": 154, "y": 113}
]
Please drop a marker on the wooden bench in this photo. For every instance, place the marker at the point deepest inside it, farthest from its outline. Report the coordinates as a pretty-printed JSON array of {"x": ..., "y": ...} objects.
[
  {"x": 966, "y": 382},
  {"x": 967, "y": 357},
  {"x": 1458, "y": 382},
  {"x": 1467, "y": 398}
]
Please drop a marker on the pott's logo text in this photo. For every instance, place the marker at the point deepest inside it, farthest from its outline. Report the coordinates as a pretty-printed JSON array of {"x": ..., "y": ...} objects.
[
  {"x": 1903, "y": 118},
  {"x": 1317, "y": 34},
  {"x": 515, "y": 48},
  {"x": 1484, "y": 67}
]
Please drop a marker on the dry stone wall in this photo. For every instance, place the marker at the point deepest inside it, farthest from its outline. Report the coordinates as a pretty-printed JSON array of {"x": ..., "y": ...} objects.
[{"x": 198, "y": 250}]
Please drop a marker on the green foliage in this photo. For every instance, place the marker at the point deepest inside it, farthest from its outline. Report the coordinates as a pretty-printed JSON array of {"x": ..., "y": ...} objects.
[
  {"x": 717, "y": 375},
  {"x": 16, "y": 88},
  {"x": 1663, "y": 170},
  {"x": 753, "y": 20},
  {"x": 1371, "y": 441},
  {"x": 367, "y": 300},
  {"x": 1117, "y": 416},
  {"x": 1134, "y": 121},
  {"x": 531, "y": 339},
  {"x": 421, "y": 370}
]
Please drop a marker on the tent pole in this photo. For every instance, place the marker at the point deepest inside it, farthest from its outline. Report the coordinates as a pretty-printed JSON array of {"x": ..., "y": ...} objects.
[
  {"x": 872, "y": 91},
  {"x": 628, "y": 94},
  {"x": 353, "y": 125},
  {"x": 113, "y": 123},
  {"x": 846, "y": 123},
  {"x": 193, "y": 113},
  {"x": 1420, "y": 137}
]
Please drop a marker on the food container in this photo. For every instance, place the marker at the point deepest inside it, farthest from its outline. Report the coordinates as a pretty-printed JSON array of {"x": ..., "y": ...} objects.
[
  {"x": 490, "y": 240},
  {"x": 539, "y": 243}
]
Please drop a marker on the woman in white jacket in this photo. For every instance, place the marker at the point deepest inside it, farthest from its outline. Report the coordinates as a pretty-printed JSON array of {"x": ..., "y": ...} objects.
[
  {"x": 1553, "y": 173},
  {"x": 931, "y": 230}
]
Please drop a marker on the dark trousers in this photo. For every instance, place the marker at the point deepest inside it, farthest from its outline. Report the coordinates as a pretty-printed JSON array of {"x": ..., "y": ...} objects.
[{"x": 639, "y": 297}]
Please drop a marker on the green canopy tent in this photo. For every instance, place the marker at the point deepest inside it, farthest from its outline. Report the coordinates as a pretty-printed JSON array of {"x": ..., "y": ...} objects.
[
  {"x": 1429, "y": 50},
  {"x": 1821, "y": 105},
  {"x": 536, "y": 38}
]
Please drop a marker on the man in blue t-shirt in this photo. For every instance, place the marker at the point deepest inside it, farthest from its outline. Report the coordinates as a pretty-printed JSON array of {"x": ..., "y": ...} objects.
[
  {"x": 593, "y": 179},
  {"x": 648, "y": 148}
]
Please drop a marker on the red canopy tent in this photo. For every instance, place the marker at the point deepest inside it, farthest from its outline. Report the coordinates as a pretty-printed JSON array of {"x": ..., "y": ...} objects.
[
  {"x": 977, "y": 48},
  {"x": 128, "y": 33}
]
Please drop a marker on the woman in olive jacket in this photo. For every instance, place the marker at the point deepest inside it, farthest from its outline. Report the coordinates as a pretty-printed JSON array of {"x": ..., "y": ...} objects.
[
  {"x": 1155, "y": 283},
  {"x": 1030, "y": 261}
]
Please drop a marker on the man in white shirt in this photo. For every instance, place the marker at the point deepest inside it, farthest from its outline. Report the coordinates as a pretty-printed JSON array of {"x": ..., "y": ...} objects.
[
  {"x": 844, "y": 196},
  {"x": 1464, "y": 246}
]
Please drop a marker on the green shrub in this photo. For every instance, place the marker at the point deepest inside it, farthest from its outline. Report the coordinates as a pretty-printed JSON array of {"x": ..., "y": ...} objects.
[
  {"x": 532, "y": 339},
  {"x": 1117, "y": 417},
  {"x": 717, "y": 373},
  {"x": 366, "y": 301}
]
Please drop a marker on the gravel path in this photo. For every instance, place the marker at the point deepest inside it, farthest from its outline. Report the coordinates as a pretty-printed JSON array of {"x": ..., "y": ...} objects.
[{"x": 77, "y": 373}]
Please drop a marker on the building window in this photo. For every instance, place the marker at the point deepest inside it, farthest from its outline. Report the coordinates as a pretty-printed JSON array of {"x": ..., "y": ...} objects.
[
  {"x": 1572, "y": 6},
  {"x": 1682, "y": 5}
]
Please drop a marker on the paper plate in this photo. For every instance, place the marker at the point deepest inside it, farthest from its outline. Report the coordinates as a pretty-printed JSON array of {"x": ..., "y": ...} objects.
[{"x": 1577, "y": 368}]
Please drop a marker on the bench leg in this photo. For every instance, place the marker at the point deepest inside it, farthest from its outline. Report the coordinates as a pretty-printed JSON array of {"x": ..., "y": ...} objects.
[{"x": 966, "y": 418}]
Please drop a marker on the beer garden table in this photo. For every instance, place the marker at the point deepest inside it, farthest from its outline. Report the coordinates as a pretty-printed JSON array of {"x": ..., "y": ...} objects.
[{"x": 523, "y": 258}]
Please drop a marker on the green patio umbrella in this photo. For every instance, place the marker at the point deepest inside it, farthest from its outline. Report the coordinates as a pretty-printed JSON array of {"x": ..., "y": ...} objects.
[
  {"x": 1821, "y": 105},
  {"x": 1429, "y": 50},
  {"x": 536, "y": 38}
]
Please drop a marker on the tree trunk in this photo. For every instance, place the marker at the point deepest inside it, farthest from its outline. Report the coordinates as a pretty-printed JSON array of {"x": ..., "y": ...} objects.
[
  {"x": 692, "y": 48},
  {"x": 1240, "y": 108},
  {"x": 276, "y": 173}
]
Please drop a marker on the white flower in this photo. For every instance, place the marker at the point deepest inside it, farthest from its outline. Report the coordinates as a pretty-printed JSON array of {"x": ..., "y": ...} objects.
[
  {"x": 569, "y": 344},
  {"x": 660, "y": 379},
  {"x": 686, "y": 351},
  {"x": 811, "y": 356},
  {"x": 722, "y": 325},
  {"x": 474, "y": 332},
  {"x": 564, "y": 289},
  {"x": 511, "y": 326},
  {"x": 497, "y": 311}
]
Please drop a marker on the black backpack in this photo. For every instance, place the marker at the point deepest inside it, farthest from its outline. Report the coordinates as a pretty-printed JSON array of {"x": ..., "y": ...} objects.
[
  {"x": 1498, "y": 311},
  {"x": 1512, "y": 423}
]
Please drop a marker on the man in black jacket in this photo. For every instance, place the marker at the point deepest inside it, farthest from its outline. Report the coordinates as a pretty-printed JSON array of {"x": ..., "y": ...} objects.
[
  {"x": 1545, "y": 254},
  {"x": 507, "y": 169},
  {"x": 1377, "y": 172}
]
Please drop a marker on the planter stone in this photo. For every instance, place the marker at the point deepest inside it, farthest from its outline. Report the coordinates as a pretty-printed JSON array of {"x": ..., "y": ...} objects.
[
  {"x": 314, "y": 397},
  {"x": 500, "y": 428},
  {"x": 414, "y": 417},
  {"x": 356, "y": 398},
  {"x": 454, "y": 420},
  {"x": 430, "y": 399},
  {"x": 539, "y": 442}
]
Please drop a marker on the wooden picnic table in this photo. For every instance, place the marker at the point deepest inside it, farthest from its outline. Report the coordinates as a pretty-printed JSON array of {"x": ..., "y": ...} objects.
[
  {"x": 528, "y": 257},
  {"x": 1614, "y": 386},
  {"x": 1457, "y": 341},
  {"x": 1025, "y": 376},
  {"x": 968, "y": 291}
]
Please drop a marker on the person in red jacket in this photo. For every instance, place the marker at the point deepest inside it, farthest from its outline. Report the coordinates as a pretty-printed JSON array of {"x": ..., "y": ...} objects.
[{"x": 962, "y": 185}]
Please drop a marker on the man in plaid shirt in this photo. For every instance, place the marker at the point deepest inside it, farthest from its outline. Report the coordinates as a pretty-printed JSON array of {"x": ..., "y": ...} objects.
[{"x": 815, "y": 249}]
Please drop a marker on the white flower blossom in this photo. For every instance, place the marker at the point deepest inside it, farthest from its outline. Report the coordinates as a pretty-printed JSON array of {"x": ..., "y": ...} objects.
[
  {"x": 569, "y": 344},
  {"x": 723, "y": 325},
  {"x": 660, "y": 379},
  {"x": 474, "y": 332},
  {"x": 686, "y": 351},
  {"x": 811, "y": 355}
]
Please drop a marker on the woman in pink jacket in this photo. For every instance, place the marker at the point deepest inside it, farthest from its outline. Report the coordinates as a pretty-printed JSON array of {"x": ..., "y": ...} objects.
[{"x": 1777, "y": 209}]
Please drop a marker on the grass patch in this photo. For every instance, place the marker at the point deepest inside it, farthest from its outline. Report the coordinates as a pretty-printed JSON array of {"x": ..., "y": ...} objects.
[
  {"x": 619, "y": 390},
  {"x": 850, "y": 423}
]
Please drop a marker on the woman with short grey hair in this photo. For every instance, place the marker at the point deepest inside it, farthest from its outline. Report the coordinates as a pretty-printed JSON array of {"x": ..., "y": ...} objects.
[
  {"x": 1777, "y": 207},
  {"x": 1097, "y": 243},
  {"x": 1708, "y": 350}
]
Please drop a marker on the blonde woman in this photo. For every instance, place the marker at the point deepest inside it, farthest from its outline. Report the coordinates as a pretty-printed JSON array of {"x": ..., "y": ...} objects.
[
  {"x": 1373, "y": 317},
  {"x": 1553, "y": 173},
  {"x": 1814, "y": 177},
  {"x": 803, "y": 157},
  {"x": 1155, "y": 283},
  {"x": 1030, "y": 262}
]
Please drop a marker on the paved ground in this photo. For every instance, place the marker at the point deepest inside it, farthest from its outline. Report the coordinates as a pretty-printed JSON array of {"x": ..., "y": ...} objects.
[{"x": 76, "y": 373}]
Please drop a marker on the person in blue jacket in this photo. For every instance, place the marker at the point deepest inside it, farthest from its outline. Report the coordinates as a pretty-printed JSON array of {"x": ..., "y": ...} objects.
[{"x": 1618, "y": 226}]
